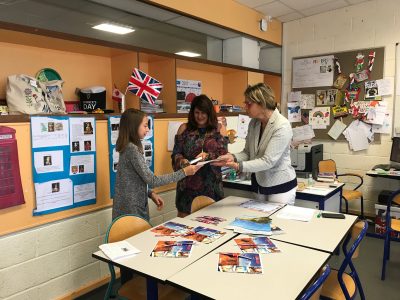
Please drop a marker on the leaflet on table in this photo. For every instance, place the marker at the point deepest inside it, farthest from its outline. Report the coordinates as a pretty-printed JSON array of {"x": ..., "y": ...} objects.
[
  {"x": 48, "y": 161},
  {"x": 118, "y": 250},
  {"x": 249, "y": 263},
  {"x": 53, "y": 195},
  {"x": 209, "y": 220},
  {"x": 253, "y": 225},
  {"x": 176, "y": 249},
  {"x": 263, "y": 206},
  {"x": 296, "y": 213},
  {"x": 171, "y": 229},
  {"x": 83, "y": 134},
  {"x": 49, "y": 132},
  {"x": 260, "y": 244},
  {"x": 203, "y": 234},
  {"x": 81, "y": 164}
]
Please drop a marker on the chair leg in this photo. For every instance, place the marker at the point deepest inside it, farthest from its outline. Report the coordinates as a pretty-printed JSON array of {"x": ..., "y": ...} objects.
[
  {"x": 388, "y": 247},
  {"x": 362, "y": 207},
  {"x": 347, "y": 205},
  {"x": 384, "y": 256}
]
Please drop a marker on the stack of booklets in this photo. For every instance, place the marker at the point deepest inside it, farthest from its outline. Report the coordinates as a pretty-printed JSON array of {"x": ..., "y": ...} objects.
[
  {"x": 203, "y": 234},
  {"x": 254, "y": 225},
  {"x": 249, "y": 263},
  {"x": 266, "y": 207},
  {"x": 326, "y": 177},
  {"x": 172, "y": 249},
  {"x": 260, "y": 244},
  {"x": 171, "y": 229},
  {"x": 118, "y": 250}
]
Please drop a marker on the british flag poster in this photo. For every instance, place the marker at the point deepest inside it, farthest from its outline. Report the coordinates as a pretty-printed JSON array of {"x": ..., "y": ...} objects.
[{"x": 144, "y": 86}]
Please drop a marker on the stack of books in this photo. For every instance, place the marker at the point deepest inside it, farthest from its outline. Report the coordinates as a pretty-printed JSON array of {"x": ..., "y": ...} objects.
[{"x": 326, "y": 177}]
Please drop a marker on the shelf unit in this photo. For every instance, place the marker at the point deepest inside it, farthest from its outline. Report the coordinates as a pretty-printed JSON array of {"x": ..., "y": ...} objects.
[{"x": 84, "y": 62}]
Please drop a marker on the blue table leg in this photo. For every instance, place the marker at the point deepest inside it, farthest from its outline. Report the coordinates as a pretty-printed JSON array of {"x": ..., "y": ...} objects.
[{"x": 152, "y": 289}]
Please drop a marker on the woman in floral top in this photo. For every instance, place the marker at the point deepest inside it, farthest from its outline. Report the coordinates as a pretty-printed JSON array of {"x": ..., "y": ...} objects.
[{"x": 199, "y": 137}]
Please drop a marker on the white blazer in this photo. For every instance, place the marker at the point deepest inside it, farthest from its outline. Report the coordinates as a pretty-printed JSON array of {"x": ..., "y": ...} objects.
[{"x": 269, "y": 159}]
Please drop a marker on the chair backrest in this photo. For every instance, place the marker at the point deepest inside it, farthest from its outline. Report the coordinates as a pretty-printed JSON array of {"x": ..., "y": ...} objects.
[
  {"x": 327, "y": 166},
  {"x": 199, "y": 202},
  {"x": 357, "y": 234},
  {"x": 124, "y": 227},
  {"x": 314, "y": 290},
  {"x": 393, "y": 198}
]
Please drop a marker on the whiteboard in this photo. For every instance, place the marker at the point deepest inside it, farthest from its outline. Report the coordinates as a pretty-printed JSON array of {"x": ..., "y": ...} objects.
[{"x": 313, "y": 71}]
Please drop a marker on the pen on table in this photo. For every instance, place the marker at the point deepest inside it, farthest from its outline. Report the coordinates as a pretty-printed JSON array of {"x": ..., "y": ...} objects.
[{"x": 319, "y": 214}]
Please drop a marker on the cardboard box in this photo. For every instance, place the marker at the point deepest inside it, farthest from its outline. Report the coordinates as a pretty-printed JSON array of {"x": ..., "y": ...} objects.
[{"x": 380, "y": 218}]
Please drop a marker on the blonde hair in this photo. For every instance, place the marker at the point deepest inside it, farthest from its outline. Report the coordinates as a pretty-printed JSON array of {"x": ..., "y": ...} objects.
[{"x": 261, "y": 94}]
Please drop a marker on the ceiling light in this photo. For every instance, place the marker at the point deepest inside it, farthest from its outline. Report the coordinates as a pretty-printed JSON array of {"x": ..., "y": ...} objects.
[
  {"x": 188, "y": 54},
  {"x": 114, "y": 28}
]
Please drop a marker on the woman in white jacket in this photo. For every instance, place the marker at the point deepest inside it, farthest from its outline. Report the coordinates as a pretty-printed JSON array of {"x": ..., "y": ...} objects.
[{"x": 267, "y": 150}]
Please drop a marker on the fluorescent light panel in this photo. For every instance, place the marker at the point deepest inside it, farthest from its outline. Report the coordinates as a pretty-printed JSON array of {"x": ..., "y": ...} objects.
[
  {"x": 114, "y": 28},
  {"x": 188, "y": 54}
]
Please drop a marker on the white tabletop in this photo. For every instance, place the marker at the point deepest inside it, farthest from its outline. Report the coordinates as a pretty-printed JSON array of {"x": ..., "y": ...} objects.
[
  {"x": 319, "y": 233},
  {"x": 320, "y": 188},
  {"x": 162, "y": 268},
  {"x": 284, "y": 275}
]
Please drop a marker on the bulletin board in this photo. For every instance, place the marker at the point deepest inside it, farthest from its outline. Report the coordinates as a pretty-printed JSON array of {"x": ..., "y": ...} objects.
[{"x": 347, "y": 64}]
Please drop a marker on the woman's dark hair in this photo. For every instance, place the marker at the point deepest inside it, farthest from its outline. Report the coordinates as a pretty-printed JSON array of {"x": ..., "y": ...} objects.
[
  {"x": 204, "y": 104},
  {"x": 128, "y": 129}
]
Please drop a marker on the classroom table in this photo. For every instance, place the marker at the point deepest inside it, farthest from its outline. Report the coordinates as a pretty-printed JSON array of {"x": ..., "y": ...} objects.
[
  {"x": 285, "y": 275},
  {"x": 320, "y": 233},
  {"x": 161, "y": 268},
  {"x": 385, "y": 174}
]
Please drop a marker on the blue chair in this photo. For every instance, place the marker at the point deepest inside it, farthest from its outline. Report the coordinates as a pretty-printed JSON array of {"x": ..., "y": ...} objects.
[
  {"x": 392, "y": 225},
  {"x": 342, "y": 285},
  {"x": 314, "y": 290}
]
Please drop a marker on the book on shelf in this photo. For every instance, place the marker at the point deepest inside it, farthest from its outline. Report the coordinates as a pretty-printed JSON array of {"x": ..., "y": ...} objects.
[
  {"x": 175, "y": 249},
  {"x": 118, "y": 250},
  {"x": 249, "y": 263}
]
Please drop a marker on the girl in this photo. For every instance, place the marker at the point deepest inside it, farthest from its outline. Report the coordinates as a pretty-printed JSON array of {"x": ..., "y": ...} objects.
[{"x": 133, "y": 175}]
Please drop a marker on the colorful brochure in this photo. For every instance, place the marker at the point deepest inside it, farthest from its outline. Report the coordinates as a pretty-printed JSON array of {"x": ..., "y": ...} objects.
[
  {"x": 260, "y": 244},
  {"x": 172, "y": 249},
  {"x": 209, "y": 220},
  {"x": 171, "y": 229},
  {"x": 263, "y": 206},
  {"x": 251, "y": 225},
  {"x": 203, "y": 234},
  {"x": 249, "y": 263}
]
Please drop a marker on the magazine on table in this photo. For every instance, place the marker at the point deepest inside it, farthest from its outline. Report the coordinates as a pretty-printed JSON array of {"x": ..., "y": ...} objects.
[
  {"x": 171, "y": 229},
  {"x": 118, "y": 250},
  {"x": 249, "y": 263},
  {"x": 251, "y": 225},
  {"x": 175, "y": 249},
  {"x": 209, "y": 220},
  {"x": 204, "y": 234},
  {"x": 267, "y": 207},
  {"x": 259, "y": 244}
]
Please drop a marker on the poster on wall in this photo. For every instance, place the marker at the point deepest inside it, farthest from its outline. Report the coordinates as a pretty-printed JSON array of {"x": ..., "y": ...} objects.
[
  {"x": 186, "y": 90},
  {"x": 313, "y": 71},
  {"x": 64, "y": 162}
]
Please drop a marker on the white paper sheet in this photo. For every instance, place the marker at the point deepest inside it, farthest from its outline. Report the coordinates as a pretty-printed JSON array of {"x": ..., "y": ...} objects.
[
  {"x": 53, "y": 194},
  {"x": 296, "y": 213},
  {"x": 386, "y": 126},
  {"x": 83, "y": 134},
  {"x": 49, "y": 132},
  {"x": 302, "y": 133},
  {"x": 313, "y": 71},
  {"x": 48, "y": 161},
  {"x": 115, "y": 156},
  {"x": 336, "y": 130},
  {"x": 81, "y": 164},
  {"x": 294, "y": 96},
  {"x": 294, "y": 112},
  {"x": 173, "y": 127},
  {"x": 83, "y": 192},
  {"x": 119, "y": 250},
  {"x": 243, "y": 126},
  {"x": 307, "y": 101},
  {"x": 114, "y": 122}
]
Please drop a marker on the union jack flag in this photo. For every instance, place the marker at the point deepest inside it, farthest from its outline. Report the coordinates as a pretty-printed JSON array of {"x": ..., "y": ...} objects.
[{"x": 144, "y": 86}]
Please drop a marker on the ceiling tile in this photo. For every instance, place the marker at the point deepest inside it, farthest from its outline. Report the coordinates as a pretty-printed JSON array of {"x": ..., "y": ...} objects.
[
  {"x": 291, "y": 17},
  {"x": 304, "y": 4},
  {"x": 254, "y": 3},
  {"x": 324, "y": 8},
  {"x": 274, "y": 9}
]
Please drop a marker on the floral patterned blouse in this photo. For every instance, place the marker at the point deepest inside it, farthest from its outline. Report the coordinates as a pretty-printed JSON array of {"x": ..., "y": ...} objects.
[{"x": 208, "y": 180}]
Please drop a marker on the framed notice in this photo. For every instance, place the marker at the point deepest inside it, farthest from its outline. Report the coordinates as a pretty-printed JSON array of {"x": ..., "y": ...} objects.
[{"x": 313, "y": 71}]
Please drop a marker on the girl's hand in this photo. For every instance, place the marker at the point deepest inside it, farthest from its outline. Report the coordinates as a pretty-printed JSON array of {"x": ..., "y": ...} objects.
[
  {"x": 157, "y": 200},
  {"x": 184, "y": 163},
  {"x": 191, "y": 170},
  {"x": 203, "y": 155}
]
